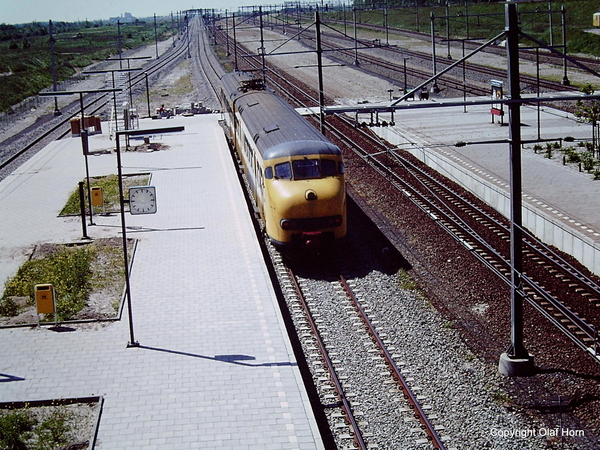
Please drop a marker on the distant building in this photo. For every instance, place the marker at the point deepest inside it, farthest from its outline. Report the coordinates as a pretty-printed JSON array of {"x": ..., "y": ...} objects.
[{"x": 125, "y": 18}]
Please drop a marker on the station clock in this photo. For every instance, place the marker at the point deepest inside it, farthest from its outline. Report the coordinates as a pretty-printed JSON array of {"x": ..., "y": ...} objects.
[{"x": 142, "y": 200}]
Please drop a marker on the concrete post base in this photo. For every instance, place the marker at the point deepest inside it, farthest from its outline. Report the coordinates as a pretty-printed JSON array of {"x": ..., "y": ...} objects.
[{"x": 516, "y": 367}]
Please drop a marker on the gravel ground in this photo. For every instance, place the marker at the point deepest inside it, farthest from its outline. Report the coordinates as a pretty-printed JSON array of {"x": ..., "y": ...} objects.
[
  {"x": 479, "y": 403},
  {"x": 448, "y": 353}
]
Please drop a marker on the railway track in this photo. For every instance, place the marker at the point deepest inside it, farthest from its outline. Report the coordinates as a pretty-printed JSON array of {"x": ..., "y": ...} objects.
[
  {"x": 565, "y": 315},
  {"x": 356, "y": 357},
  {"x": 564, "y": 295},
  {"x": 59, "y": 127},
  {"x": 468, "y": 78}
]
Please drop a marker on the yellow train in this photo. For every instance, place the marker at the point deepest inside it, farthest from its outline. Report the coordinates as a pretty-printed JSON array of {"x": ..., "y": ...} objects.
[{"x": 295, "y": 173}]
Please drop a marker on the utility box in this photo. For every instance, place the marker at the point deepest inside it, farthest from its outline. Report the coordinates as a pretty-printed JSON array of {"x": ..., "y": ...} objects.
[
  {"x": 44, "y": 298},
  {"x": 97, "y": 196},
  {"x": 596, "y": 19},
  {"x": 75, "y": 127}
]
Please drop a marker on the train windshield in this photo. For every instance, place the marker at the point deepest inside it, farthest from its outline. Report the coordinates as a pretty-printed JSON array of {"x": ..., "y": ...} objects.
[
  {"x": 315, "y": 168},
  {"x": 306, "y": 168}
]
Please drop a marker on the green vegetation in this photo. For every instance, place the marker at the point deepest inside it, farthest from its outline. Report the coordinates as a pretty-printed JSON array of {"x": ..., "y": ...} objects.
[
  {"x": 39, "y": 428},
  {"x": 26, "y": 64},
  {"x": 75, "y": 273},
  {"x": 589, "y": 111},
  {"x": 406, "y": 281},
  {"x": 68, "y": 269},
  {"x": 486, "y": 20},
  {"x": 110, "y": 190},
  {"x": 583, "y": 155}
]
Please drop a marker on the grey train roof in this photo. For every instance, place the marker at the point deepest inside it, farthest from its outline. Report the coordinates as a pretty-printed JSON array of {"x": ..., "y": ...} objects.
[{"x": 275, "y": 126}]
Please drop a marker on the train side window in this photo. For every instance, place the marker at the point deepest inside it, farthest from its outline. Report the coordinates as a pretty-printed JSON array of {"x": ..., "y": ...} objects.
[
  {"x": 328, "y": 168},
  {"x": 283, "y": 171},
  {"x": 341, "y": 168},
  {"x": 269, "y": 173}
]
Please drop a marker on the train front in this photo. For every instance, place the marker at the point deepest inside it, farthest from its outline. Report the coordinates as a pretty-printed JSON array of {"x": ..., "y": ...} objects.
[{"x": 305, "y": 195}]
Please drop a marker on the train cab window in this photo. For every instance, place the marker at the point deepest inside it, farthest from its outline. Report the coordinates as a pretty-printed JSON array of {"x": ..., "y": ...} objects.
[
  {"x": 341, "y": 168},
  {"x": 306, "y": 168},
  {"x": 269, "y": 173},
  {"x": 328, "y": 168},
  {"x": 283, "y": 171}
]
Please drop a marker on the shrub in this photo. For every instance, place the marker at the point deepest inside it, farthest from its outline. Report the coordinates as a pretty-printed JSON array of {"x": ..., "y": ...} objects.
[{"x": 15, "y": 428}]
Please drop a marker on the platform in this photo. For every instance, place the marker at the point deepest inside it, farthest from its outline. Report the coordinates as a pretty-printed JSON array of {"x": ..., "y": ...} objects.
[{"x": 215, "y": 368}]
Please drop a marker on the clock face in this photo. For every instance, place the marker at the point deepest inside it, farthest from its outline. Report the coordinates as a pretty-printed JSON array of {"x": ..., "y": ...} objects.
[{"x": 142, "y": 200}]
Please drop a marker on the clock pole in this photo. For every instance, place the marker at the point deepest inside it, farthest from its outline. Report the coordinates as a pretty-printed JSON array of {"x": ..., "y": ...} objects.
[{"x": 132, "y": 342}]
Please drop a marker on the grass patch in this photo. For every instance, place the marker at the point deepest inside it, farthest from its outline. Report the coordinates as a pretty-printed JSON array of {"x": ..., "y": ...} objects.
[
  {"x": 110, "y": 189},
  {"x": 406, "y": 281},
  {"x": 88, "y": 281},
  {"x": 66, "y": 268},
  {"x": 51, "y": 426}
]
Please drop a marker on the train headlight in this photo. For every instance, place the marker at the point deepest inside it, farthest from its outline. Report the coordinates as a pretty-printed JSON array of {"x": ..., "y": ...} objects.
[{"x": 310, "y": 195}]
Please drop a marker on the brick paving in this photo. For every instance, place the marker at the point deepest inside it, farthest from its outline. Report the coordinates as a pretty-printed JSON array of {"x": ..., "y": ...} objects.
[{"x": 214, "y": 368}]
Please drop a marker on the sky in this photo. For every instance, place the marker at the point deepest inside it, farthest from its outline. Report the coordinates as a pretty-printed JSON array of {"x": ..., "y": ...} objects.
[{"x": 26, "y": 11}]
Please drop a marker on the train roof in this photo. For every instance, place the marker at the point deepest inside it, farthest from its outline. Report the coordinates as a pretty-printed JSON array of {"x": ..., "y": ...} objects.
[{"x": 275, "y": 126}]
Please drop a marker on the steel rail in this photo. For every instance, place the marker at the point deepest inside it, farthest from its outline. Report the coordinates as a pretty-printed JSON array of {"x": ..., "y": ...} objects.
[
  {"x": 419, "y": 413},
  {"x": 577, "y": 329},
  {"x": 570, "y": 323},
  {"x": 344, "y": 403},
  {"x": 65, "y": 119}
]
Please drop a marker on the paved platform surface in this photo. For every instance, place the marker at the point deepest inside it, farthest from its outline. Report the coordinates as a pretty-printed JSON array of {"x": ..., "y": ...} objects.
[{"x": 215, "y": 369}]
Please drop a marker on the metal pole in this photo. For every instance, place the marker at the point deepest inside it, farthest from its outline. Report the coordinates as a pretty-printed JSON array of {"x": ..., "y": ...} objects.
[
  {"x": 227, "y": 53},
  {"x": 82, "y": 210},
  {"x": 537, "y": 83},
  {"x": 132, "y": 342},
  {"x": 516, "y": 361},
  {"x": 262, "y": 45},
  {"x": 52, "y": 41},
  {"x": 155, "y": 37},
  {"x": 405, "y": 85},
  {"x": 119, "y": 43},
  {"x": 385, "y": 22},
  {"x": 550, "y": 23},
  {"x": 235, "y": 61},
  {"x": 148, "y": 94},
  {"x": 435, "y": 87},
  {"x": 320, "y": 71},
  {"x": 187, "y": 35},
  {"x": 467, "y": 18},
  {"x": 115, "y": 103},
  {"x": 356, "y": 63},
  {"x": 464, "y": 76},
  {"x": 85, "y": 147},
  {"x": 563, "y": 11},
  {"x": 417, "y": 15},
  {"x": 448, "y": 29}
]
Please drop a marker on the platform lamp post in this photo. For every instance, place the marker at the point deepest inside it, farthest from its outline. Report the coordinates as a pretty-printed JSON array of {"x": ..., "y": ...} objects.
[
  {"x": 83, "y": 131},
  {"x": 132, "y": 342},
  {"x": 516, "y": 361},
  {"x": 52, "y": 42}
]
